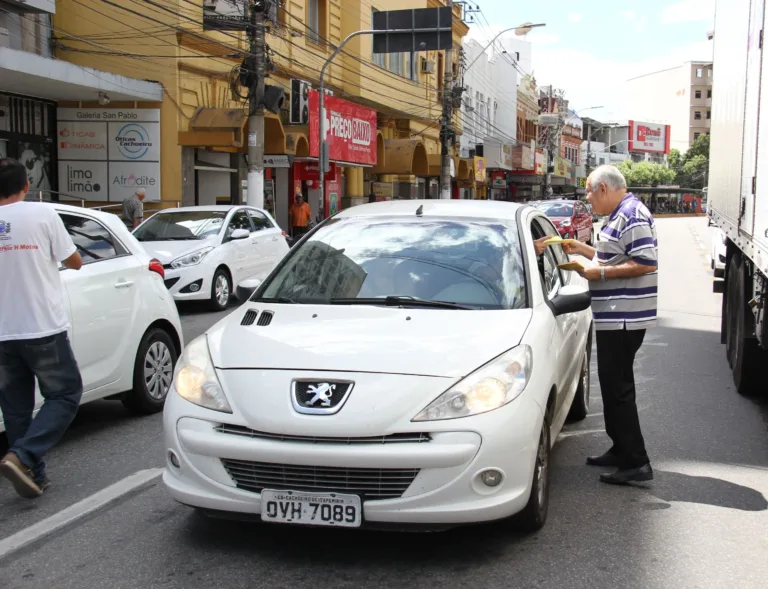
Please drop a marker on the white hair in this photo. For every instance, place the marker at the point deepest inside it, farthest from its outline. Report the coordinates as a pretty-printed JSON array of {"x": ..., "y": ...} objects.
[
  {"x": 608, "y": 175},
  {"x": 141, "y": 191}
]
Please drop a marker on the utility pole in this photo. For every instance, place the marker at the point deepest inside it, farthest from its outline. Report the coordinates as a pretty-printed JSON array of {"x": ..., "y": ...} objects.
[
  {"x": 447, "y": 120},
  {"x": 257, "y": 38}
]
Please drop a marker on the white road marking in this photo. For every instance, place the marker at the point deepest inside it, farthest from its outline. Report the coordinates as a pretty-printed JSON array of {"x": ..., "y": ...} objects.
[
  {"x": 79, "y": 510},
  {"x": 583, "y": 432}
]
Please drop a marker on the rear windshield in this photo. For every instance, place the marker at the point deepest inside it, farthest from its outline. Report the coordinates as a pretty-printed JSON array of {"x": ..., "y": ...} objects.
[
  {"x": 184, "y": 225},
  {"x": 473, "y": 263}
]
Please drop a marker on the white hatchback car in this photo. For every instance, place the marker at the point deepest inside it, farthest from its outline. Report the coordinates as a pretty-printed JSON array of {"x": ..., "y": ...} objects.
[
  {"x": 409, "y": 362},
  {"x": 717, "y": 252},
  {"x": 206, "y": 250},
  {"x": 125, "y": 329}
]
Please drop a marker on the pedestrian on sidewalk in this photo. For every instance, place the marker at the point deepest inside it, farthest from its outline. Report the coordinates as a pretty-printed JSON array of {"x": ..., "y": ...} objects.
[
  {"x": 623, "y": 283},
  {"x": 33, "y": 331},
  {"x": 133, "y": 209},
  {"x": 300, "y": 214}
]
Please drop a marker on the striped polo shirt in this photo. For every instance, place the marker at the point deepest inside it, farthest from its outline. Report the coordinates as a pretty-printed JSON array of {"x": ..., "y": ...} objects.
[{"x": 629, "y": 234}]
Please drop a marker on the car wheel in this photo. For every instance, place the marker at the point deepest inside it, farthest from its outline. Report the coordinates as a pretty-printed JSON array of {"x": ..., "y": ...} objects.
[
  {"x": 152, "y": 373},
  {"x": 221, "y": 290},
  {"x": 533, "y": 517},
  {"x": 580, "y": 405}
]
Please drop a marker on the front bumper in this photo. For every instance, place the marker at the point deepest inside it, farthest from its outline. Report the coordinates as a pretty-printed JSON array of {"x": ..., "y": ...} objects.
[
  {"x": 178, "y": 281},
  {"x": 446, "y": 489}
]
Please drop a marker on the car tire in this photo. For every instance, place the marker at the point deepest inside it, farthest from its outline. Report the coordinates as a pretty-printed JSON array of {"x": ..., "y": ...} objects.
[
  {"x": 533, "y": 517},
  {"x": 580, "y": 406},
  {"x": 221, "y": 290},
  {"x": 152, "y": 373}
]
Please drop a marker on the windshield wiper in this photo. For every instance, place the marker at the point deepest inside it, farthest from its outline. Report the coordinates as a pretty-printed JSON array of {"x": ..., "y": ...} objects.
[
  {"x": 400, "y": 301},
  {"x": 285, "y": 300}
]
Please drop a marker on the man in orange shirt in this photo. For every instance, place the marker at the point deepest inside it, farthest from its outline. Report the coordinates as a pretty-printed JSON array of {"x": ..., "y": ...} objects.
[{"x": 300, "y": 215}]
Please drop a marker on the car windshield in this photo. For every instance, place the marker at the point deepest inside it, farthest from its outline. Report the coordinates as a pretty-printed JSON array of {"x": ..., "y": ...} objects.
[
  {"x": 182, "y": 225},
  {"x": 473, "y": 264},
  {"x": 556, "y": 209}
]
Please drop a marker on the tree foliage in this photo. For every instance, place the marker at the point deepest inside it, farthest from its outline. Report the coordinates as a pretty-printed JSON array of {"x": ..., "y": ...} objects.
[
  {"x": 692, "y": 167},
  {"x": 646, "y": 173}
]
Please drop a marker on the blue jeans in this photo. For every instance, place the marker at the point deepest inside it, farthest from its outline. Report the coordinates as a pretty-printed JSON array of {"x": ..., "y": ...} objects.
[{"x": 52, "y": 361}]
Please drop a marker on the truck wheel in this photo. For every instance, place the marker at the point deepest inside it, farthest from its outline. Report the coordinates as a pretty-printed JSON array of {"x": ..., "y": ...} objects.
[{"x": 747, "y": 355}]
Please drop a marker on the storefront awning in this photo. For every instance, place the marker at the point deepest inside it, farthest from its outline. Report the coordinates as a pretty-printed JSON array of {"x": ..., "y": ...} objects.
[
  {"x": 407, "y": 157},
  {"x": 226, "y": 129},
  {"x": 29, "y": 74}
]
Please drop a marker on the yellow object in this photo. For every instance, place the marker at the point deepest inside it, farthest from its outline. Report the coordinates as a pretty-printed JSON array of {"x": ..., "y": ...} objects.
[
  {"x": 571, "y": 266},
  {"x": 558, "y": 241}
]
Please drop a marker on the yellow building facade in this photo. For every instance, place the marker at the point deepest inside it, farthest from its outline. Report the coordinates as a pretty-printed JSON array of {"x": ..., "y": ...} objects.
[{"x": 202, "y": 114}]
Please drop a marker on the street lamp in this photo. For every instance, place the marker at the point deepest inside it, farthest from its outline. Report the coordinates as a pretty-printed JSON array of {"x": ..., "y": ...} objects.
[{"x": 520, "y": 30}]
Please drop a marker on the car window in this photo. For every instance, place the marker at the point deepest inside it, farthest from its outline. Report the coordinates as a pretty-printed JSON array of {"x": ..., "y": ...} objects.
[
  {"x": 556, "y": 209},
  {"x": 93, "y": 241},
  {"x": 181, "y": 225},
  {"x": 239, "y": 220},
  {"x": 260, "y": 220},
  {"x": 472, "y": 262},
  {"x": 548, "y": 270}
]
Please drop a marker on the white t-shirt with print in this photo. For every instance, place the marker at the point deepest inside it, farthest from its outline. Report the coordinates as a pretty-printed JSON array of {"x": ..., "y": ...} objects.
[{"x": 33, "y": 240}]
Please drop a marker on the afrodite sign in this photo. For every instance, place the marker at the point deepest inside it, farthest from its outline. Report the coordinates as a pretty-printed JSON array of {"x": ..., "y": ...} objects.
[{"x": 350, "y": 130}]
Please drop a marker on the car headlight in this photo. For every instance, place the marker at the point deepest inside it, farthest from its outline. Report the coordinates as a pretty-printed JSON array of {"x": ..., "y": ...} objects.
[
  {"x": 191, "y": 259},
  {"x": 566, "y": 223},
  {"x": 196, "y": 379},
  {"x": 494, "y": 385}
]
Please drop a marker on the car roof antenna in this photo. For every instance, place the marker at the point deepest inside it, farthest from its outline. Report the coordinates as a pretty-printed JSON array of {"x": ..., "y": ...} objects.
[{"x": 420, "y": 211}]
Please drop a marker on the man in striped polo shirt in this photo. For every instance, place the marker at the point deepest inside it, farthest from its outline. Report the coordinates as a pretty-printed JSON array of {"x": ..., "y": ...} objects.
[{"x": 623, "y": 282}]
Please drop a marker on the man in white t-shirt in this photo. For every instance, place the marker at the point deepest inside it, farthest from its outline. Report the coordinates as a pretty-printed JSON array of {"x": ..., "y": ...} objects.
[{"x": 33, "y": 331}]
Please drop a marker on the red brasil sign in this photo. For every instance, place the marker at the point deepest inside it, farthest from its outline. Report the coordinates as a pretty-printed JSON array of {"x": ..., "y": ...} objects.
[{"x": 350, "y": 130}]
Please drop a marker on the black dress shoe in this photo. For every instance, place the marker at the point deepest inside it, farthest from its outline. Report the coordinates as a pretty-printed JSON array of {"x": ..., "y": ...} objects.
[
  {"x": 625, "y": 476},
  {"x": 604, "y": 460}
]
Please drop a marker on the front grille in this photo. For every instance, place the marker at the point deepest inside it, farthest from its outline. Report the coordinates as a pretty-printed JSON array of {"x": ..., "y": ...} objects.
[
  {"x": 409, "y": 438},
  {"x": 369, "y": 483},
  {"x": 170, "y": 282}
]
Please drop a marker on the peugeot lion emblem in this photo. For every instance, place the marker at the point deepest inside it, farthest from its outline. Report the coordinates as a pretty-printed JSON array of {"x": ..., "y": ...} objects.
[{"x": 317, "y": 397}]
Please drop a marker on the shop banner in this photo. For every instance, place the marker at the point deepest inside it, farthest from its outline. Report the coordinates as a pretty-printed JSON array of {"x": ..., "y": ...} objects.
[
  {"x": 540, "y": 164},
  {"x": 649, "y": 137},
  {"x": 522, "y": 158},
  {"x": 480, "y": 170},
  {"x": 561, "y": 167},
  {"x": 383, "y": 190},
  {"x": 350, "y": 130},
  {"x": 499, "y": 180}
]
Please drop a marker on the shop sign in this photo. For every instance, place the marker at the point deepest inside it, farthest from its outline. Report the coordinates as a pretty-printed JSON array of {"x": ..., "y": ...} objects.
[
  {"x": 506, "y": 152},
  {"x": 125, "y": 143},
  {"x": 383, "y": 190},
  {"x": 561, "y": 167},
  {"x": 522, "y": 158},
  {"x": 581, "y": 182},
  {"x": 540, "y": 162},
  {"x": 649, "y": 137},
  {"x": 277, "y": 161},
  {"x": 350, "y": 130},
  {"x": 480, "y": 169},
  {"x": 225, "y": 15},
  {"x": 498, "y": 180}
]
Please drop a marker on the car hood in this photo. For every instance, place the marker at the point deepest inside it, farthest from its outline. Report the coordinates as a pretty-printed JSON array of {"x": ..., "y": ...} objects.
[
  {"x": 167, "y": 251},
  {"x": 427, "y": 342}
]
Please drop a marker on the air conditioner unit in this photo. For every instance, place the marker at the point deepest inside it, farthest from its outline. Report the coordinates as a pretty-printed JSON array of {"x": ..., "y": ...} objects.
[
  {"x": 427, "y": 66},
  {"x": 299, "y": 102}
]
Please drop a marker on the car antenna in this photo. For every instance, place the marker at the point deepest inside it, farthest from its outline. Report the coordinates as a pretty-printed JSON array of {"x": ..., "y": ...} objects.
[{"x": 420, "y": 211}]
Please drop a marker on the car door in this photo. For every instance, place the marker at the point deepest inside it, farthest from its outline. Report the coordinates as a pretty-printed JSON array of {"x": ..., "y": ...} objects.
[
  {"x": 271, "y": 243},
  {"x": 579, "y": 221},
  {"x": 239, "y": 253},
  {"x": 104, "y": 300},
  {"x": 565, "y": 342}
]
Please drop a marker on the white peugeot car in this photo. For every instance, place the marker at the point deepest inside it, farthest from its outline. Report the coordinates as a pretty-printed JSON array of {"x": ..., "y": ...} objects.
[
  {"x": 717, "y": 252},
  {"x": 125, "y": 329},
  {"x": 205, "y": 250},
  {"x": 408, "y": 362}
]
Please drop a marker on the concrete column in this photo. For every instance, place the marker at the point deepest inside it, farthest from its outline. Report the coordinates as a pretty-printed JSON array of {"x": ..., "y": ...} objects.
[{"x": 283, "y": 196}]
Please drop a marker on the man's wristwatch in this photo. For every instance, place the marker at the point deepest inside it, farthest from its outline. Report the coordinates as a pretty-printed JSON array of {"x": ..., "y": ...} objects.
[{"x": 602, "y": 273}]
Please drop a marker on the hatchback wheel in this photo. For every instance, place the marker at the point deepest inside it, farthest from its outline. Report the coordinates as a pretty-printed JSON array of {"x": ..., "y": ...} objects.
[
  {"x": 221, "y": 290},
  {"x": 533, "y": 517},
  {"x": 152, "y": 373},
  {"x": 580, "y": 405}
]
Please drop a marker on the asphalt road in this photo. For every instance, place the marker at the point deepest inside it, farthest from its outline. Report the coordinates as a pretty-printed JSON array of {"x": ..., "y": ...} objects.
[{"x": 703, "y": 522}]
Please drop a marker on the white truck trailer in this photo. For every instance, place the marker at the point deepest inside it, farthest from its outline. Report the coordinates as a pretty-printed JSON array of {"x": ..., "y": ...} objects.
[{"x": 738, "y": 184}]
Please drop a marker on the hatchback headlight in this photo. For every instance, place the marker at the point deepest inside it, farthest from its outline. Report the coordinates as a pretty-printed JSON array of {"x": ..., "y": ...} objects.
[
  {"x": 196, "y": 379},
  {"x": 192, "y": 259},
  {"x": 494, "y": 385}
]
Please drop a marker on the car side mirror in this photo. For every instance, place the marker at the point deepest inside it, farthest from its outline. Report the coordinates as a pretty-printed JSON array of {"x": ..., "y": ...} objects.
[
  {"x": 247, "y": 287},
  {"x": 240, "y": 234},
  {"x": 572, "y": 298}
]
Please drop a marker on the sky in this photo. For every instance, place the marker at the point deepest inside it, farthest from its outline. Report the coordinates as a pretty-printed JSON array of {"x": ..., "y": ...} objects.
[{"x": 590, "y": 48}]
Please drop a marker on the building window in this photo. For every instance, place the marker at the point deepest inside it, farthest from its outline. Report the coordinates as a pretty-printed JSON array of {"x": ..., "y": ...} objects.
[
  {"x": 698, "y": 94},
  {"x": 316, "y": 20},
  {"x": 709, "y": 93},
  {"x": 699, "y": 73},
  {"x": 697, "y": 115},
  {"x": 410, "y": 70},
  {"x": 709, "y": 115},
  {"x": 380, "y": 59},
  {"x": 396, "y": 63},
  {"x": 696, "y": 136}
]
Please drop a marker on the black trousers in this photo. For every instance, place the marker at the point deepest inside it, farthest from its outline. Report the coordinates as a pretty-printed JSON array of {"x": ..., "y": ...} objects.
[{"x": 615, "y": 361}]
